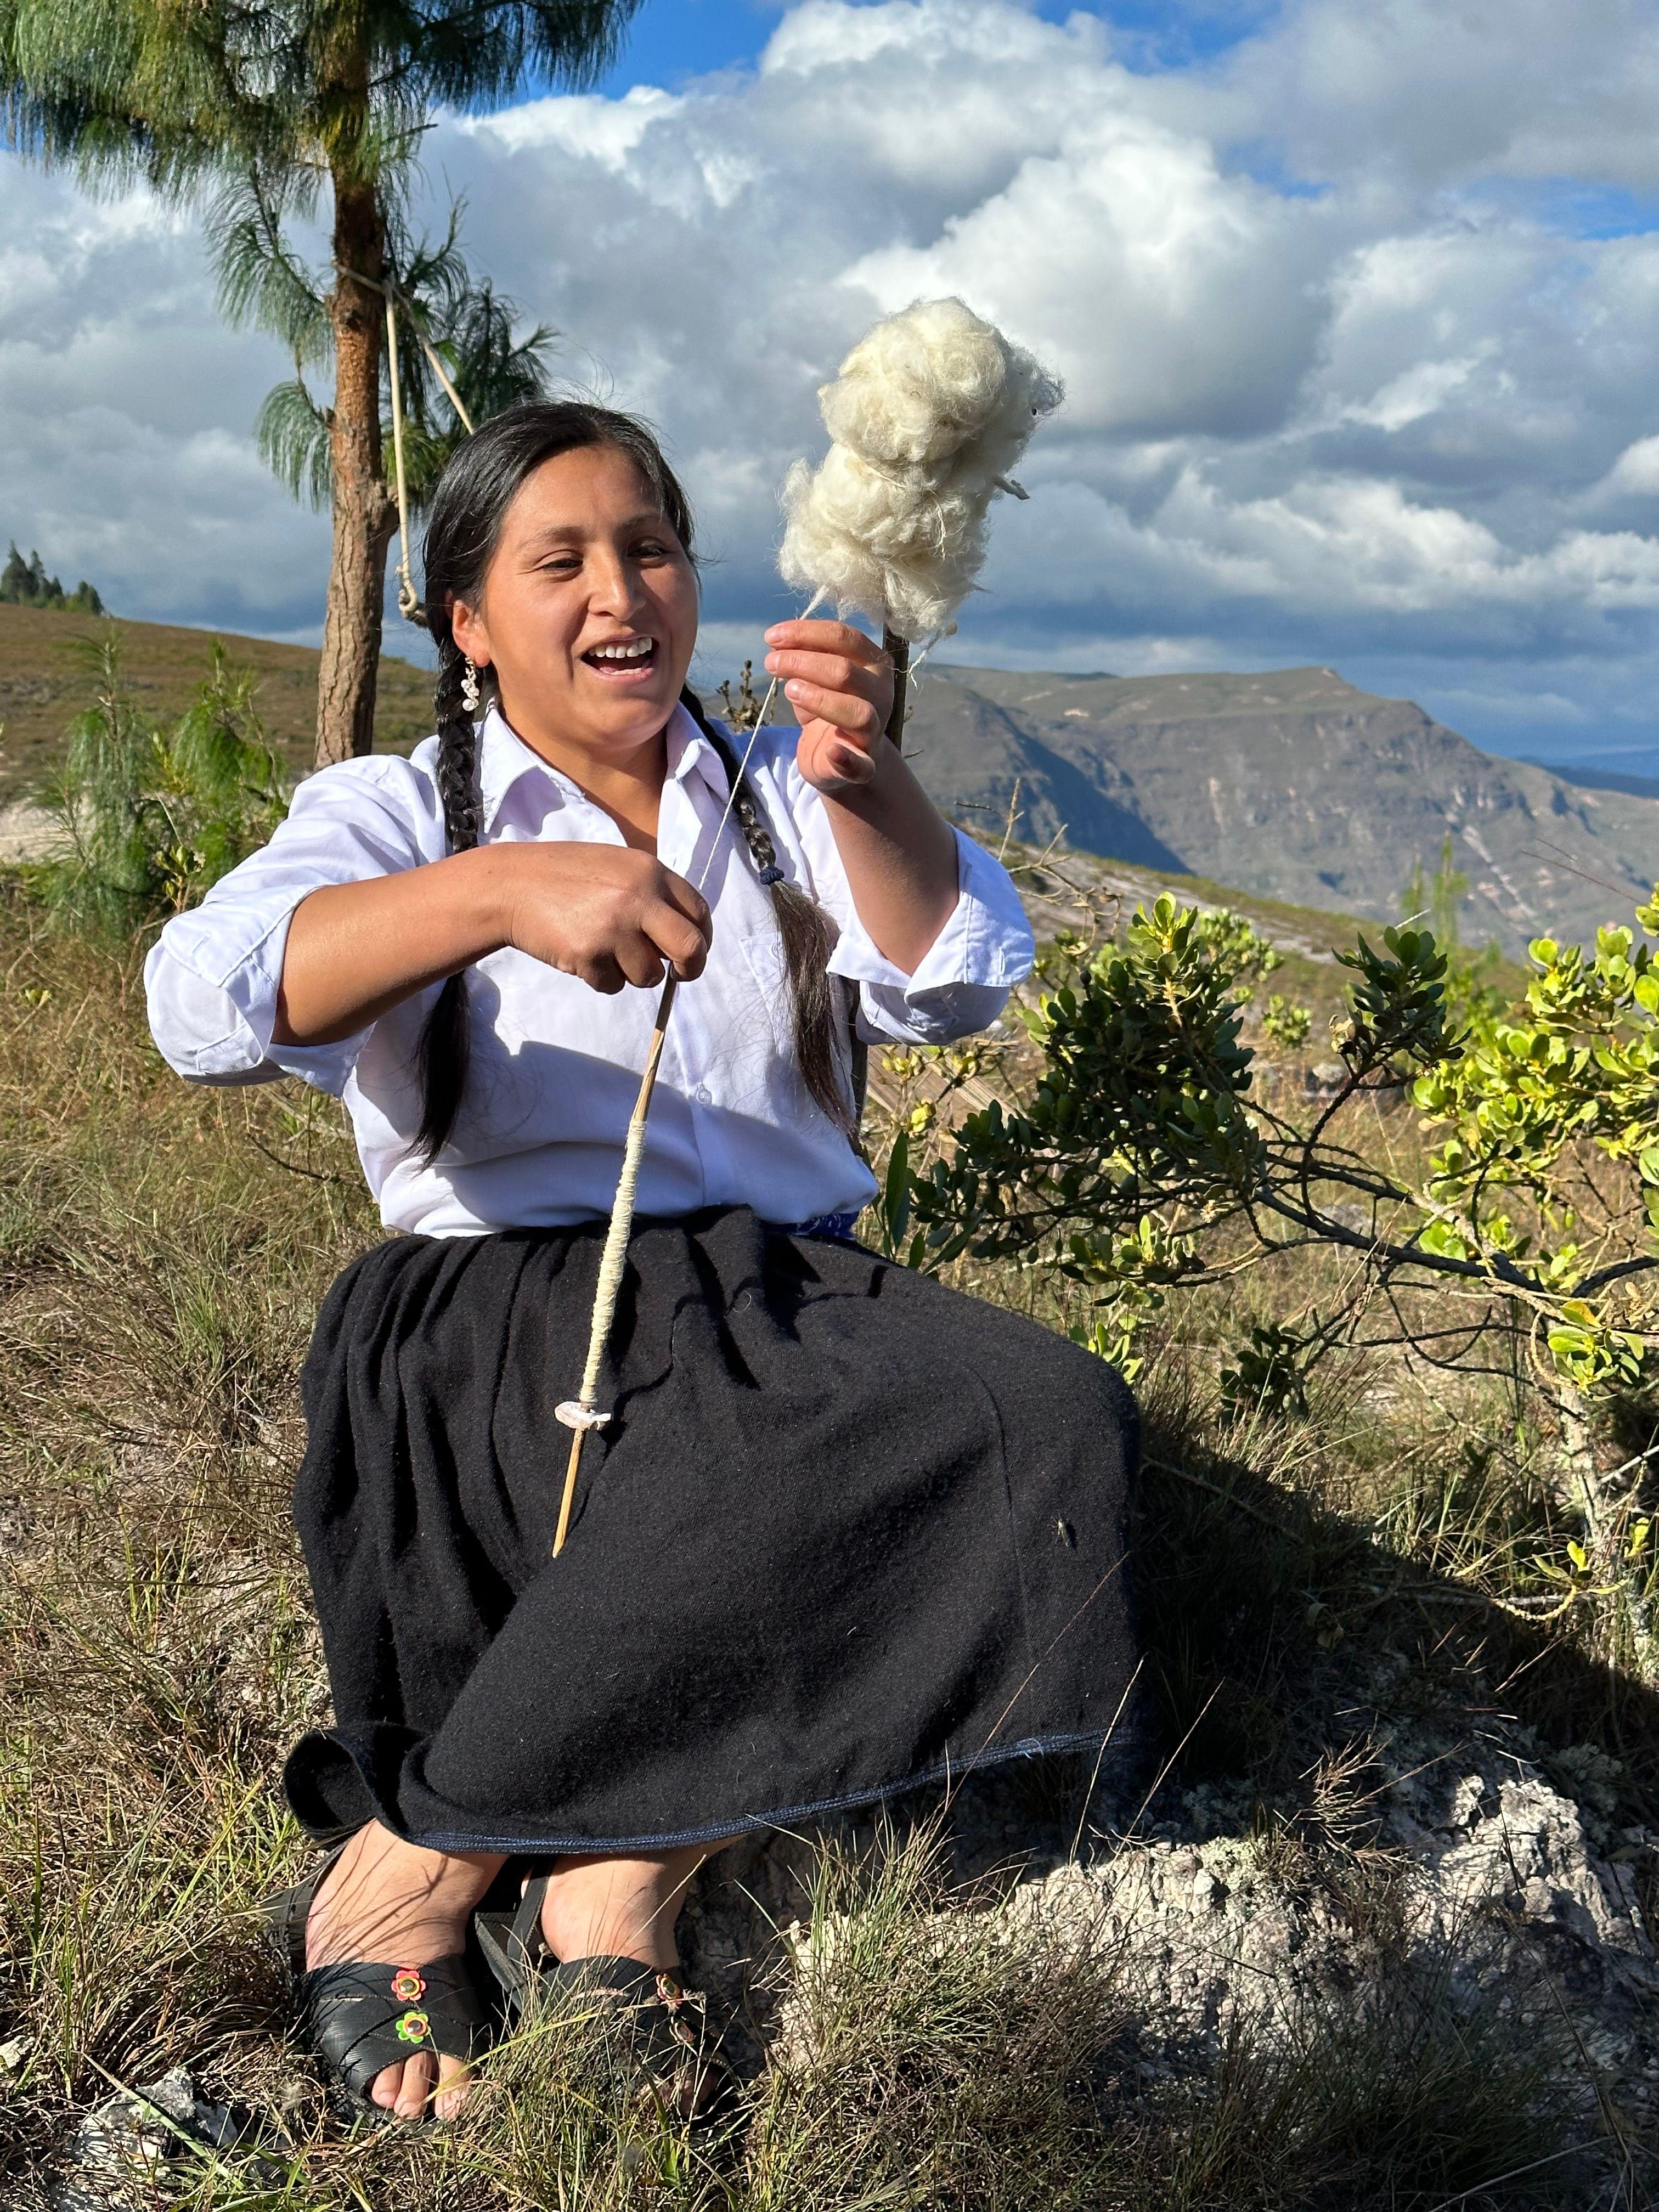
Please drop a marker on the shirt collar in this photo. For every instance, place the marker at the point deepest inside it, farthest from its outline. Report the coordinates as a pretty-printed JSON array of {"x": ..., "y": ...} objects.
[{"x": 504, "y": 761}]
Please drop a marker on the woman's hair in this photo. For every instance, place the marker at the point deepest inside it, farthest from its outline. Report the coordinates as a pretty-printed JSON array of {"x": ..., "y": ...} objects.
[{"x": 463, "y": 530}]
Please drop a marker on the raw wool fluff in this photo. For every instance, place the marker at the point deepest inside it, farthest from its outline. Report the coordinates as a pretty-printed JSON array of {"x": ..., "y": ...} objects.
[{"x": 929, "y": 414}]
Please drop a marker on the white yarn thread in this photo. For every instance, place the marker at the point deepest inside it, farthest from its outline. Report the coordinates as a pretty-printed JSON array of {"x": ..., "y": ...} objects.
[{"x": 928, "y": 416}]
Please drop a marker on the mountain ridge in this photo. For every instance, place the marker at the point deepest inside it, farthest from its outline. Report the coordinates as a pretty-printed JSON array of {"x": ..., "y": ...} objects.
[{"x": 1292, "y": 785}]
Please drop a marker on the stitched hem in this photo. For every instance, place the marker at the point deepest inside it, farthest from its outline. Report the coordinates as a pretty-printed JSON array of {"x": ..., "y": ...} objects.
[{"x": 455, "y": 1839}]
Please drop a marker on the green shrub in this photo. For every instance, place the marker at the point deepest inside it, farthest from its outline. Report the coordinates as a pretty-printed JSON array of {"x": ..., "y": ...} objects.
[
  {"x": 1145, "y": 1158},
  {"x": 1285, "y": 1022},
  {"x": 150, "y": 817}
]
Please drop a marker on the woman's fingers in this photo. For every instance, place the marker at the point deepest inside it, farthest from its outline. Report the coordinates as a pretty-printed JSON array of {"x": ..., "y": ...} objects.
[
  {"x": 682, "y": 924},
  {"x": 820, "y": 636},
  {"x": 833, "y": 673},
  {"x": 850, "y": 709},
  {"x": 682, "y": 940},
  {"x": 609, "y": 917}
]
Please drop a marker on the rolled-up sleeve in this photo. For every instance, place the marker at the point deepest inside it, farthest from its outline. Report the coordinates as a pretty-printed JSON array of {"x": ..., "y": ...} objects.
[
  {"x": 963, "y": 982},
  {"x": 211, "y": 978}
]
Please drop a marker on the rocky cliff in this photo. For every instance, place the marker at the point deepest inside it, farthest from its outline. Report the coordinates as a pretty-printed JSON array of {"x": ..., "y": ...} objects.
[{"x": 1294, "y": 785}]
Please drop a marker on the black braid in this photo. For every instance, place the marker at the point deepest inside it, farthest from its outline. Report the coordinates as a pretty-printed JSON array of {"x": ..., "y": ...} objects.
[
  {"x": 803, "y": 930},
  {"x": 446, "y": 1040}
]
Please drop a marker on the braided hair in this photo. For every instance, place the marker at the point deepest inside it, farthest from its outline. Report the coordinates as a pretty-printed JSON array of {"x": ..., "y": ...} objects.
[
  {"x": 463, "y": 530},
  {"x": 802, "y": 931}
]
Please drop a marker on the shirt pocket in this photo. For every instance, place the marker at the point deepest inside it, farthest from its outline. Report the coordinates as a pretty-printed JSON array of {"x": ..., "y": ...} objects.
[{"x": 764, "y": 953}]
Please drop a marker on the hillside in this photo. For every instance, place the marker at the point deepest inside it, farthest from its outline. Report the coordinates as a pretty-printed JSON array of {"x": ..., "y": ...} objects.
[
  {"x": 1292, "y": 786},
  {"x": 43, "y": 684}
]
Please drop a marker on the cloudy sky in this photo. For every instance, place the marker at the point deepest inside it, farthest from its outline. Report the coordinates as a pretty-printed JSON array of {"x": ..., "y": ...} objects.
[{"x": 1356, "y": 302}]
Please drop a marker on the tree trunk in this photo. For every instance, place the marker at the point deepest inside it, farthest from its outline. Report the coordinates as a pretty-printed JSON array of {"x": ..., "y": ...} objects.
[
  {"x": 1583, "y": 1491},
  {"x": 364, "y": 513}
]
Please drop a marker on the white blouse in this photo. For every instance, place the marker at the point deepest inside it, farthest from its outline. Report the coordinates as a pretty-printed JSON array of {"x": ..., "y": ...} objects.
[{"x": 554, "y": 1065}]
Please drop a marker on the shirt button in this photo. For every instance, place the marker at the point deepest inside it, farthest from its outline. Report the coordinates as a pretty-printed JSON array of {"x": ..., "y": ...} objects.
[{"x": 704, "y": 1094}]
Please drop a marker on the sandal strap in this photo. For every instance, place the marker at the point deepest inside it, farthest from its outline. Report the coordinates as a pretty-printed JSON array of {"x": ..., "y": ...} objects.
[
  {"x": 666, "y": 2024},
  {"x": 513, "y": 1945},
  {"x": 286, "y": 1915},
  {"x": 363, "y": 2015}
]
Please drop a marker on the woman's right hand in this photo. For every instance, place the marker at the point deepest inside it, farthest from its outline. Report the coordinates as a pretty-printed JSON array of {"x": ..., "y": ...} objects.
[{"x": 605, "y": 913}]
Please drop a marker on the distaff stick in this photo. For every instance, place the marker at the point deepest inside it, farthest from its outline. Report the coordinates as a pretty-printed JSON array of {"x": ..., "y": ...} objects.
[{"x": 579, "y": 1414}]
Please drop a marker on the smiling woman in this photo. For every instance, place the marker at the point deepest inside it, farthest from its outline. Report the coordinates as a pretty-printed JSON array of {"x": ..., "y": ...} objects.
[{"x": 817, "y": 1561}]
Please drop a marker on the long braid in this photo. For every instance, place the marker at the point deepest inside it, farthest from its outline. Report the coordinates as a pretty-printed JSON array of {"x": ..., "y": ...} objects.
[
  {"x": 446, "y": 1041},
  {"x": 802, "y": 931}
]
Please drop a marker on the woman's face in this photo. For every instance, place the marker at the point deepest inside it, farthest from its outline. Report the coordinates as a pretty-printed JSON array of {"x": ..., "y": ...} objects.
[{"x": 589, "y": 609}]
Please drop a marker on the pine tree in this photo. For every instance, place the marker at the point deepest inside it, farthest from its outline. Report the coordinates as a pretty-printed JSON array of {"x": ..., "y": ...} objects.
[
  {"x": 14, "y": 579},
  {"x": 271, "y": 111}
]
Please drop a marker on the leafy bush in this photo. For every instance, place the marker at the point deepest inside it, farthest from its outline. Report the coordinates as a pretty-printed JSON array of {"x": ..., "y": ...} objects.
[
  {"x": 149, "y": 819},
  {"x": 1285, "y": 1022},
  {"x": 1144, "y": 1157}
]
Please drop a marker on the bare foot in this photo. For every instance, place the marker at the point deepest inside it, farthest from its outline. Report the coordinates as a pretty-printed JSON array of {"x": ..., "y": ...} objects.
[
  {"x": 389, "y": 1899},
  {"x": 618, "y": 1908}
]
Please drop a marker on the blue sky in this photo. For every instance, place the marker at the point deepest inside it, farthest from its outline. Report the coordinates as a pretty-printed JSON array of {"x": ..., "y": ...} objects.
[
  {"x": 673, "y": 40},
  {"x": 1356, "y": 302}
]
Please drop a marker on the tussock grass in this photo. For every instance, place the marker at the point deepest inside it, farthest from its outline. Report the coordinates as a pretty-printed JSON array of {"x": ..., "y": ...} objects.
[{"x": 162, "y": 1254}]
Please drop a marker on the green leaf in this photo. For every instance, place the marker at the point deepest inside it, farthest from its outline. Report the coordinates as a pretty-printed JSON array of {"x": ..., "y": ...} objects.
[{"x": 895, "y": 1193}]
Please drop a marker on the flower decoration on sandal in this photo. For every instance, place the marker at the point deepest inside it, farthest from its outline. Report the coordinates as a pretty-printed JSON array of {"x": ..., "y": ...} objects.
[
  {"x": 414, "y": 2028},
  {"x": 409, "y": 1985}
]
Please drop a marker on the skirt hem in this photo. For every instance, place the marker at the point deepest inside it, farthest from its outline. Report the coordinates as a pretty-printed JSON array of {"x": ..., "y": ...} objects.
[{"x": 457, "y": 1840}]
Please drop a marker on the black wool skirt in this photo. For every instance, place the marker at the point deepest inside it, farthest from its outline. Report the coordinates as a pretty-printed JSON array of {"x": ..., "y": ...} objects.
[{"x": 848, "y": 1532}]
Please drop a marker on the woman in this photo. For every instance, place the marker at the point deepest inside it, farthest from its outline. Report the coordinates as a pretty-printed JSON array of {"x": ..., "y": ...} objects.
[{"x": 846, "y": 1529}]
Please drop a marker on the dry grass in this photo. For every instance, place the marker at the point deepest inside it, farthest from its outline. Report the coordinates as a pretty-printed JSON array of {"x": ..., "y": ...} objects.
[
  {"x": 44, "y": 684},
  {"x": 161, "y": 1253}
]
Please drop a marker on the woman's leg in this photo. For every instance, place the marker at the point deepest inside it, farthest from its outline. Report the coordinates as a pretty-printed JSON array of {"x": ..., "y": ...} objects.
[
  {"x": 390, "y": 1899},
  {"x": 620, "y": 1908}
]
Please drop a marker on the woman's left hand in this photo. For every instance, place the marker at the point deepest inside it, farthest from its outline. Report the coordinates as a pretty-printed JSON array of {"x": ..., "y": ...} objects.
[{"x": 840, "y": 683}]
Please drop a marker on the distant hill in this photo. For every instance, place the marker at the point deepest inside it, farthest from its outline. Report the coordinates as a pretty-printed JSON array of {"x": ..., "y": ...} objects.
[
  {"x": 1292, "y": 786},
  {"x": 42, "y": 685}
]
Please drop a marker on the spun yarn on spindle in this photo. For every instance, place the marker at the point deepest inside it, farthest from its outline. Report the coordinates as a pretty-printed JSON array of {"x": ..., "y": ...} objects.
[{"x": 929, "y": 414}]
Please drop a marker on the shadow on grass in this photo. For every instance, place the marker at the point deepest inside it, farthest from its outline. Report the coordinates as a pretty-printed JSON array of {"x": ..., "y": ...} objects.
[{"x": 1265, "y": 1618}]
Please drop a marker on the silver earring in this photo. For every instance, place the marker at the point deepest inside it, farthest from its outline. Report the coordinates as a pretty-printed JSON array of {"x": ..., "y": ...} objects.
[{"x": 470, "y": 696}]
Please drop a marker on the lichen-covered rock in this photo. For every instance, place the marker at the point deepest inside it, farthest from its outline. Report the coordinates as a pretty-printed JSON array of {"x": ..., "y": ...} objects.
[{"x": 1471, "y": 1866}]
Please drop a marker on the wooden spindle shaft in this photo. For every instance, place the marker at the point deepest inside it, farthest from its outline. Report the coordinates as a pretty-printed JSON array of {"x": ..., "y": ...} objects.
[{"x": 897, "y": 650}]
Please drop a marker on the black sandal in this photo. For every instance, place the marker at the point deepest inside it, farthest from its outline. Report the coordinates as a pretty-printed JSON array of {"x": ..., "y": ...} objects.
[
  {"x": 360, "y": 2016},
  {"x": 671, "y": 2042}
]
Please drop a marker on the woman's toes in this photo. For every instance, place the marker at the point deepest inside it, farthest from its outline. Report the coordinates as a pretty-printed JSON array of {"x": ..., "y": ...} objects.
[
  {"x": 384, "y": 2089},
  {"x": 454, "y": 2080},
  {"x": 412, "y": 2097}
]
